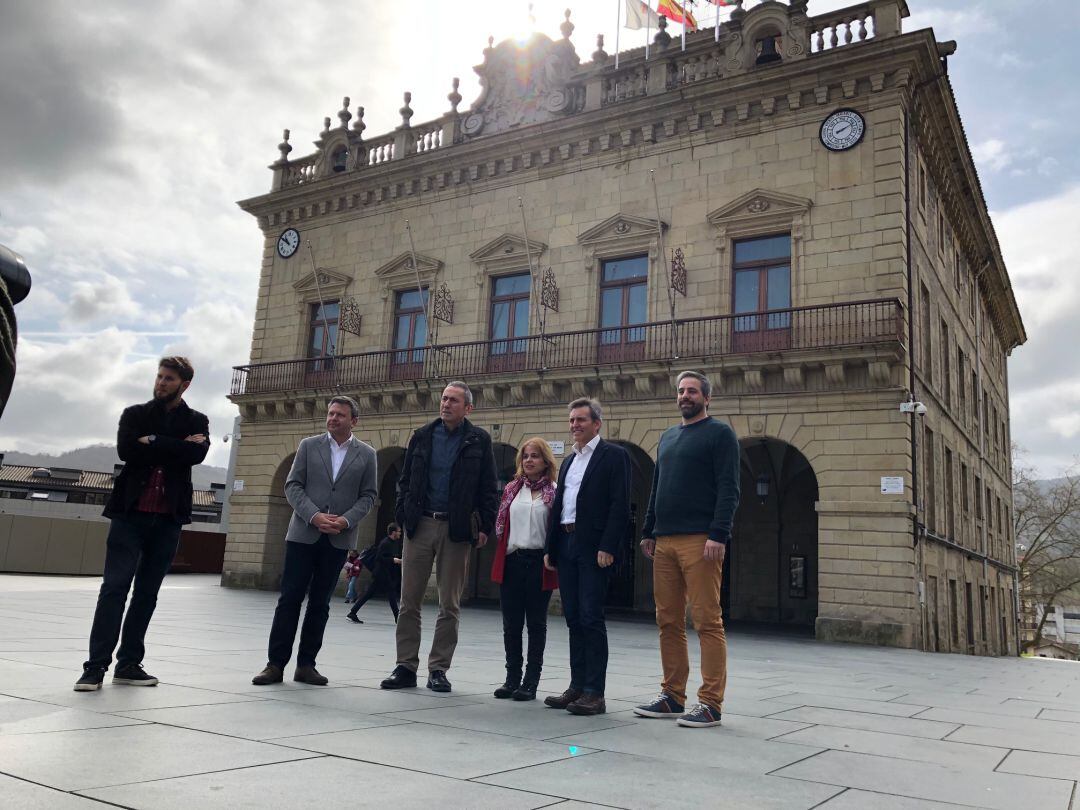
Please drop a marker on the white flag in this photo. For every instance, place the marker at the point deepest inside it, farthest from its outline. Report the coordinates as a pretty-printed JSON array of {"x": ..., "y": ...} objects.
[{"x": 639, "y": 15}]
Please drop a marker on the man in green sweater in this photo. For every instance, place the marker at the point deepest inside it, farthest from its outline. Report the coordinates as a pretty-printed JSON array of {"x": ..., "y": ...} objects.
[{"x": 695, "y": 491}]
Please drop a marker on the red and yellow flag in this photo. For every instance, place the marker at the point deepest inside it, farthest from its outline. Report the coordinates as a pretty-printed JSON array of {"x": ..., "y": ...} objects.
[{"x": 676, "y": 13}]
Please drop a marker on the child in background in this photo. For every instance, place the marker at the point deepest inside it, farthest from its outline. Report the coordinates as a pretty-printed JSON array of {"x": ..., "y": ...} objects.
[{"x": 352, "y": 571}]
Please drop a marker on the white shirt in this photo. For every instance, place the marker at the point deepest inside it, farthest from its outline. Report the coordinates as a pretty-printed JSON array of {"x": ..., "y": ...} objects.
[
  {"x": 528, "y": 521},
  {"x": 573, "y": 479},
  {"x": 337, "y": 453}
]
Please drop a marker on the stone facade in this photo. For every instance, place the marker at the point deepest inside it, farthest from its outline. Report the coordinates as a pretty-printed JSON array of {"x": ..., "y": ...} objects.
[{"x": 568, "y": 166}]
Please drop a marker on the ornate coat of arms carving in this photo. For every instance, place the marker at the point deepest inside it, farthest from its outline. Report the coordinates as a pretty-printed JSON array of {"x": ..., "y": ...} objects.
[{"x": 522, "y": 85}]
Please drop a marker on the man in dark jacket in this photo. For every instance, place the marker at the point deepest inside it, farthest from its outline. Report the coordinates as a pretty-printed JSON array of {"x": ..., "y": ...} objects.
[
  {"x": 386, "y": 576},
  {"x": 159, "y": 442},
  {"x": 587, "y": 533},
  {"x": 447, "y": 483}
]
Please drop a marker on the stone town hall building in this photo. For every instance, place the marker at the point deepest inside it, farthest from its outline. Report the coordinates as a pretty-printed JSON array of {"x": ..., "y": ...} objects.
[{"x": 811, "y": 176}]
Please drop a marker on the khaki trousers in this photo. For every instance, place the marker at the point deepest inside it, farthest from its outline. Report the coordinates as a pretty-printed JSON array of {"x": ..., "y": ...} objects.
[
  {"x": 680, "y": 574},
  {"x": 431, "y": 544}
]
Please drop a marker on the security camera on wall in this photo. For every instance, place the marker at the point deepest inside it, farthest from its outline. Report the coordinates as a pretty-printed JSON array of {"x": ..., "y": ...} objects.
[{"x": 914, "y": 407}]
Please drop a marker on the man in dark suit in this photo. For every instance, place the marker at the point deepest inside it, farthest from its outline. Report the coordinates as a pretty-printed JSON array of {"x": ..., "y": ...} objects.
[
  {"x": 331, "y": 487},
  {"x": 590, "y": 519},
  {"x": 159, "y": 442}
]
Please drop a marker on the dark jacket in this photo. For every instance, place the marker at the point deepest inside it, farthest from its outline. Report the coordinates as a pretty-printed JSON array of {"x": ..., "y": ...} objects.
[
  {"x": 388, "y": 572},
  {"x": 168, "y": 451},
  {"x": 473, "y": 488},
  {"x": 603, "y": 503}
]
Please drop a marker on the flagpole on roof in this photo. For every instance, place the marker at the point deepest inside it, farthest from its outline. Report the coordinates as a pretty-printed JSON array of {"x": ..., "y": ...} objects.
[
  {"x": 685, "y": 17},
  {"x": 716, "y": 27},
  {"x": 618, "y": 26},
  {"x": 648, "y": 29}
]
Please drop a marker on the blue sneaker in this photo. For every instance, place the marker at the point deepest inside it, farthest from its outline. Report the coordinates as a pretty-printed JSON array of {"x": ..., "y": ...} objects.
[
  {"x": 663, "y": 706},
  {"x": 701, "y": 716}
]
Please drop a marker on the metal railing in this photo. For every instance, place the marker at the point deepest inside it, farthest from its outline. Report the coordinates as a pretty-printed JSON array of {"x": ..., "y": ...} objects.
[{"x": 799, "y": 328}]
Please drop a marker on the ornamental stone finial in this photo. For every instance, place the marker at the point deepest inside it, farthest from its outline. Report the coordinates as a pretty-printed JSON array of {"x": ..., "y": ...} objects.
[
  {"x": 344, "y": 115},
  {"x": 358, "y": 125},
  {"x": 406, "y": 111},
  {"x": 567, "y": 27},
  {"x": 454, "y": 97},
  {"x": 662, "y": 38},
  {"x": 599, "y": 56},
  {"x": 285, "y": 147}
]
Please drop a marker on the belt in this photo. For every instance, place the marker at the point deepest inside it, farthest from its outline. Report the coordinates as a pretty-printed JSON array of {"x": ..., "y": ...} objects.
[
  {"x": 437, "y": 515},
  {"x": 526, "y": 552},
  {"x": 568, "y": 528}
]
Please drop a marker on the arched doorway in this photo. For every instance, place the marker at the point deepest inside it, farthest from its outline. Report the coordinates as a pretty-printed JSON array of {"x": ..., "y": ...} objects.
[
  {"x": 390, "y": 460},
  {"x": 632, "y": 586},
  {"x": 771, "y": 575},
  {"x": 278, "y": 515},
  {"x": 480, "y": 587}
]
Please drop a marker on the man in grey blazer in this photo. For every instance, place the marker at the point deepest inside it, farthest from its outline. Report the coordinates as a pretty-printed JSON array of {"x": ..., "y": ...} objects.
[{"x": 331, "y": 487}]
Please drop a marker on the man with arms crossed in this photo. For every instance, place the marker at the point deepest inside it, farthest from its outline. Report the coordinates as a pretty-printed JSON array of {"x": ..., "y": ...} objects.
[
  {"x": 590, "y": 518},
  {"x": 695, "y": 491},
  {"x": 331, "y": 487},
  {"x": 159, "y": 442},
  {"x": 448, "y": 477}
]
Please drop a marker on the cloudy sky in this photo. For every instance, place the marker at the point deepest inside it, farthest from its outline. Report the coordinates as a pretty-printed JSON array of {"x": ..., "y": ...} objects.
[{"x": 129, "y": 129}]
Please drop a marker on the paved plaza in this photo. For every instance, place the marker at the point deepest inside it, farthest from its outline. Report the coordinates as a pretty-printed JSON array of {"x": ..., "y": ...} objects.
[{"x": 806, "y": 724}]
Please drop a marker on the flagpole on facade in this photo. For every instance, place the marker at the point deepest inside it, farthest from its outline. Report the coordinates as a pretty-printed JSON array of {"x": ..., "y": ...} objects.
[
  {"x": 685, "y": 17},
  {"x": 535, "y": 287},
  {"x": 716, "y": 26},
  {"x": 663, "y": 258},
  {"x": 618, "y": 27},
  {"x": 322, "y": 305},
  {"x": 423, "y": 303}
]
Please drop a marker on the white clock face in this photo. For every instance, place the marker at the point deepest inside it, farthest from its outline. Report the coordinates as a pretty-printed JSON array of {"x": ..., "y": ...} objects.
[
  {"x": 287, "y": 243},
  {"x": 842, "y": 130}
]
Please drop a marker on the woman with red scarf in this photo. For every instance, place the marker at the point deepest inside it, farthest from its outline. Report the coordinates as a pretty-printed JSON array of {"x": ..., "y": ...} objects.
[{"x": 525, "y": 584}]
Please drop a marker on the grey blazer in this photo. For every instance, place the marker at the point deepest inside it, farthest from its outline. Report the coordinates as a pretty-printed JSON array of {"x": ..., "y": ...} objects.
[{"x": 311, "y": 488}]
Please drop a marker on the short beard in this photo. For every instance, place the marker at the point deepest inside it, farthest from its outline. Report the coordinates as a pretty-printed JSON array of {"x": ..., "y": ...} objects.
[
  {"x": 167, "y": 400},
  {"x": 691, "y": 409}
]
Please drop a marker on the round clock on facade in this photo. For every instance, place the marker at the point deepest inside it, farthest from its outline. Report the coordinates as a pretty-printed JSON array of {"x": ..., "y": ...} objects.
[
  {"x": 288, "y": 242},
  {"x": 842, "y": 130}
]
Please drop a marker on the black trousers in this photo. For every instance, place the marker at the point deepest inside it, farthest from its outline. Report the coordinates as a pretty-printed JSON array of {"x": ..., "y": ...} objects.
[
  {"x": 391, "y": 589},
  {"x": 583, "y": 585},
  {"x": 524, "y": 602},
  {"x": 140, "y": 546},
  {"x": 311, "y": 570}
]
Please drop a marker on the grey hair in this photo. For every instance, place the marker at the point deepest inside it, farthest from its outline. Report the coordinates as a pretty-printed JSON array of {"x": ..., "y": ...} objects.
[
  {"x": 595, "y": 411},
  {"x": 464, "y": 389},
  {"x": 341, "y": 399},
  {"x": 706, "y": 386}
]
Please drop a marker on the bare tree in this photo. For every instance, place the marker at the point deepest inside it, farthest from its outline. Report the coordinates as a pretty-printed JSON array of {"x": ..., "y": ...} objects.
[{"x": 1047, "y": 531}]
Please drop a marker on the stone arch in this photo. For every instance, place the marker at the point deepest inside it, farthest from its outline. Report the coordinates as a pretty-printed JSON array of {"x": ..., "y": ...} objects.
[
  {"x": 771, "y": 575},
  {"x": 278, "y": 515},
  {"x": 390, "y": 460},
  {"x": 632, "y": 585},
  {"x": 480, "y": 588}
]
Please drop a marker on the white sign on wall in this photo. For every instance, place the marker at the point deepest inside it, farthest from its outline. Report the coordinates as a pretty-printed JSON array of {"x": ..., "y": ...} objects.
[
  {"x": 892, "y": 485},
  {"x": 558, "y": 448},
  {"x": 238, "y": 485}
]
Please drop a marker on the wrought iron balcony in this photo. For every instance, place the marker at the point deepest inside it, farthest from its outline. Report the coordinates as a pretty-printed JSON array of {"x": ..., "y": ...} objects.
[{"x": 830, "y": 326}]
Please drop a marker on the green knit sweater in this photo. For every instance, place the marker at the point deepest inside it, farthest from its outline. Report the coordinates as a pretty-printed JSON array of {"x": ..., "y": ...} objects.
[{"x": 695, "y": 486}]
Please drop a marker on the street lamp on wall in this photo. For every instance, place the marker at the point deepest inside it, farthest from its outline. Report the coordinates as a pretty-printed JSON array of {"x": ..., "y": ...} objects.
[{"x": 762, "y": 487}]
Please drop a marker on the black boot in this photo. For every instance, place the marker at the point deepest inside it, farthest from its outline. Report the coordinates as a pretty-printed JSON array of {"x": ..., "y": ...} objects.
[
  {"x": 527, "y": 690},
  {"x": 510, "y": 687}
]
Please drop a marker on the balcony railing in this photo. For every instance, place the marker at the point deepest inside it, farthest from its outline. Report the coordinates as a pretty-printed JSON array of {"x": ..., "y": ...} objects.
[{"x": 818, "y": 327}]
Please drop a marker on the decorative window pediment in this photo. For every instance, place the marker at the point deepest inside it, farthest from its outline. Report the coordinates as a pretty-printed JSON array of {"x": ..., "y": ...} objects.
[
  {"x": 620, "y": 235},
  {"x": 399, "y": 271},
  {"x": 507, "y": 252},
  {"x": 332, "y": 285},
  {"x": 759, "y": 205}
]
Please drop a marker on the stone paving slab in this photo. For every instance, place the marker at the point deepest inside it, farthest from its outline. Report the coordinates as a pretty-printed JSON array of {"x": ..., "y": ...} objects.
[
  {"x": 922, "y": 780},
  {"x": 805, "y": 724}
]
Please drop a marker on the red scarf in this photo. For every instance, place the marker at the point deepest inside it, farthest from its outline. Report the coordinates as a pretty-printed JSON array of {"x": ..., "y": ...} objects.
[{"x": 511, "y": 490}]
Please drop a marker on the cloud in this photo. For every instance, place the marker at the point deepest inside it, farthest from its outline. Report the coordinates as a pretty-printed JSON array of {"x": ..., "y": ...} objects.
[
  {"x": 105, "y": 299},
  {"x": 991, "y": 154},
  {"x": 1041, "y": 246}
]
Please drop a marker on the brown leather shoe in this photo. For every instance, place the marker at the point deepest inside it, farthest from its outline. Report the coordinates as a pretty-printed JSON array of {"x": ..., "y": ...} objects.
[
  {"x": 588, "y": 704},
  {"x": 271, "y": 674},
  {"x": 310, "y": 675},
  {"x": 563, "y": 700}
]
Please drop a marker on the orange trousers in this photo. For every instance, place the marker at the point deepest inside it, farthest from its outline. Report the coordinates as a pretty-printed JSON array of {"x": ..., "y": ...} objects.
[{"x": 680, "y": 574}]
